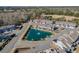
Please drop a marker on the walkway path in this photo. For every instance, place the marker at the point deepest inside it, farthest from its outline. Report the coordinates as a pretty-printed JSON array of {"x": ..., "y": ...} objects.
[{"x": 8, "y": 48}]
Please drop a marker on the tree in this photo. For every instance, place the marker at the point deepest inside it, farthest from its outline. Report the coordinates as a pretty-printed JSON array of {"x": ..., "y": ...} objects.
[
  {"x": 1, "y": 22},
  {"x": 76, "y": 21},
  {"x": 77, "y": 14}
]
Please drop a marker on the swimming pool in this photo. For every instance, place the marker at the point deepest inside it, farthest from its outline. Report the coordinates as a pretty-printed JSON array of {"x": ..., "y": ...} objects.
[{"x": 36, "y": 35}]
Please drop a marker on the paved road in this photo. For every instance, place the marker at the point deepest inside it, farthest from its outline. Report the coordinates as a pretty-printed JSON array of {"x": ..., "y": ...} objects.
[{"x": 8, "y": 48}]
